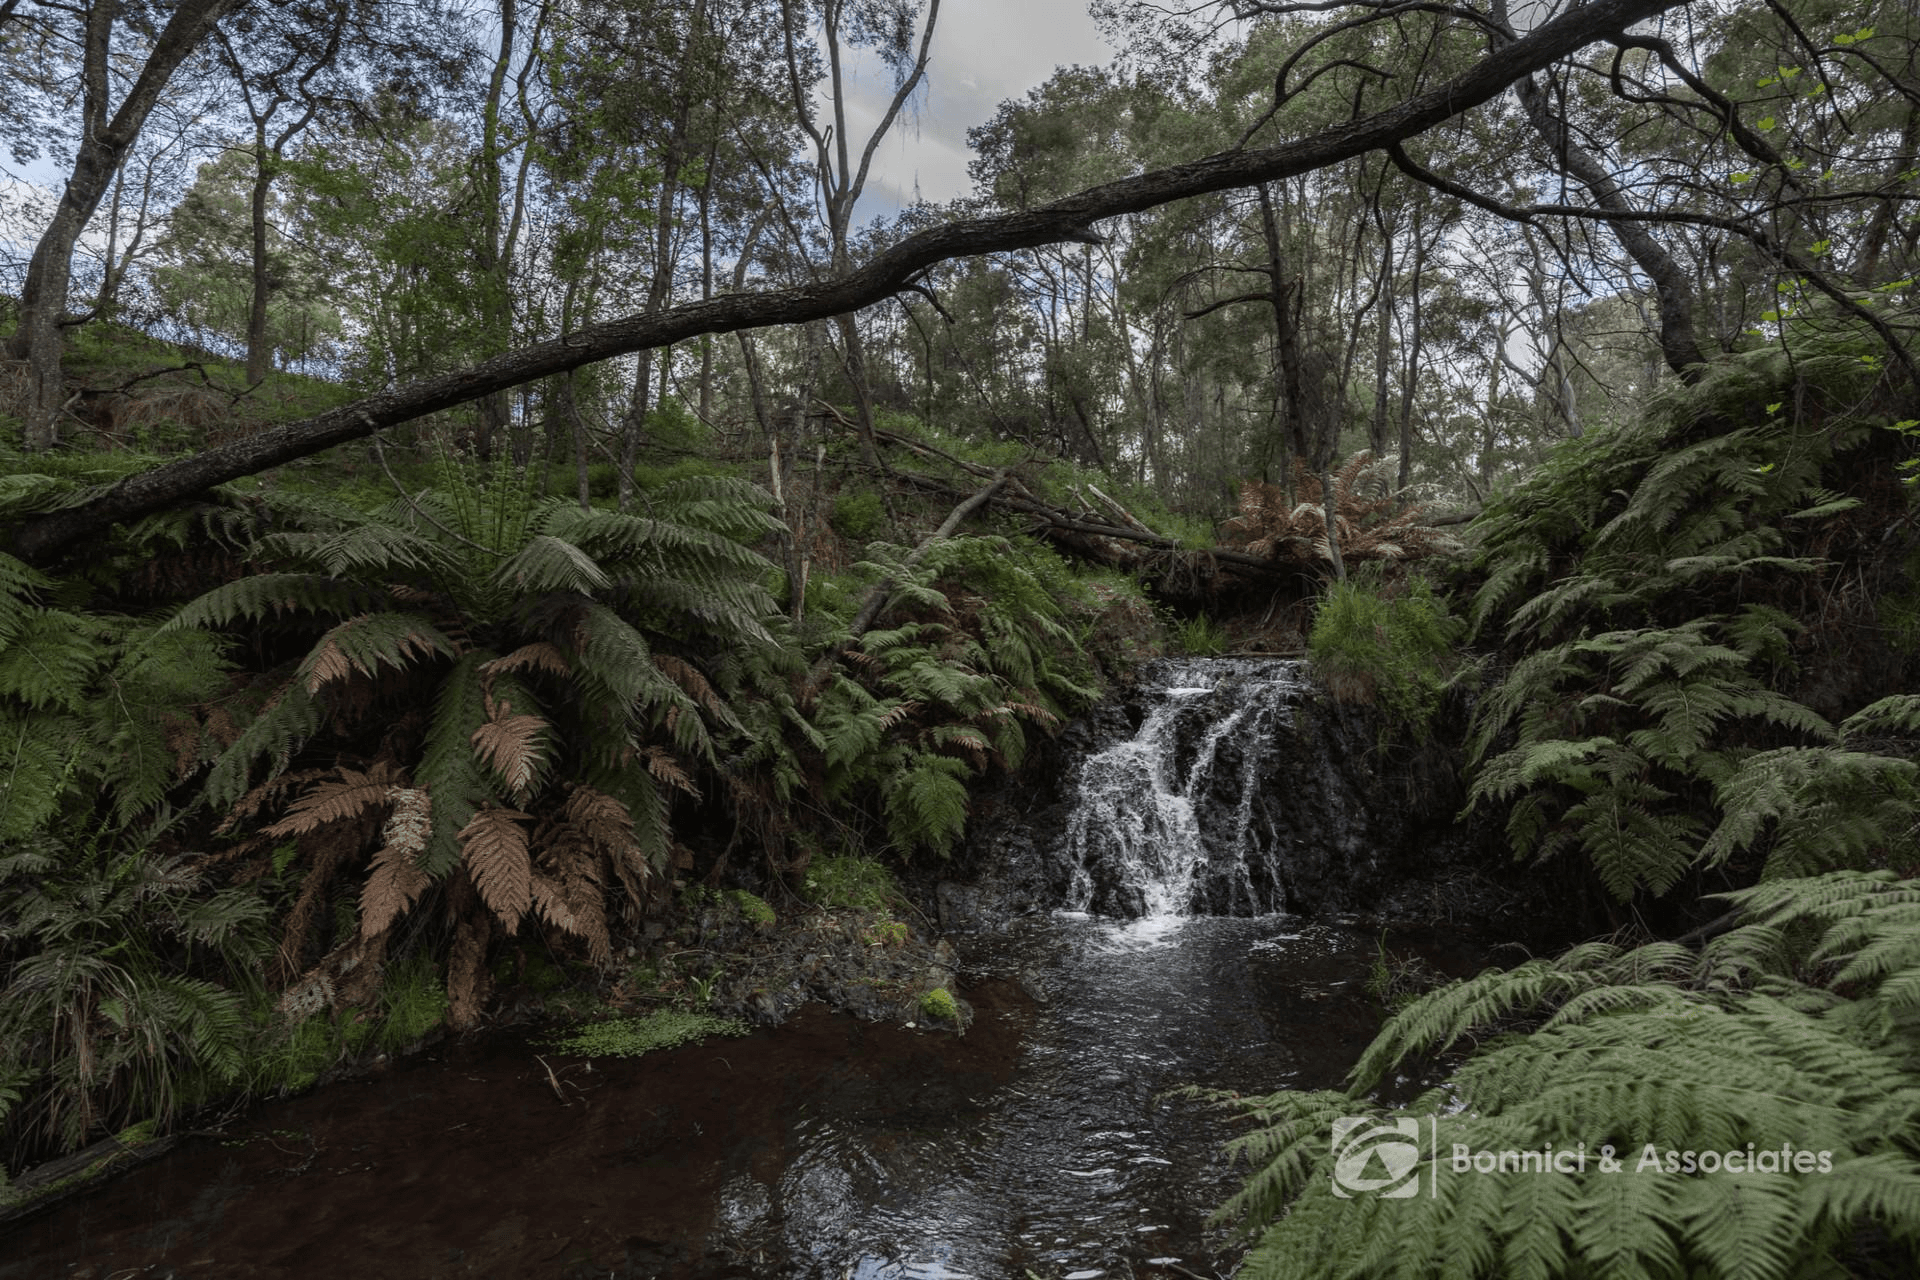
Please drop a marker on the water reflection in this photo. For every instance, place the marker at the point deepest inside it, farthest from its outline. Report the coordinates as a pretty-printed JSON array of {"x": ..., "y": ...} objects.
[{"x": 1089, "y": 1164}]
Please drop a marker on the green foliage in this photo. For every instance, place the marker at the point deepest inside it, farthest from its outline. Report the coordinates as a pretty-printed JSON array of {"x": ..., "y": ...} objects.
[
  {"x": 851, "y": 882},
  {"x": 1202, "y": 637},
  {"x": 1644, "y": 721},
  {"x": 545, "y": 678},
  {"x": 858, "y": 516},
  {"x": 1390, "y": 644},
  {"x": 124, "y": 991},
  {"x": 97, "y": 711},
  {"x": 413, "y": 1001},
  {"x": 973, "y": 647},
  {"x": 1795, "y": 1027},
  {"x": 940, "y": 1005},
  {"x": 753, "y": 909},
  {"x": 632, "y": 1037}
]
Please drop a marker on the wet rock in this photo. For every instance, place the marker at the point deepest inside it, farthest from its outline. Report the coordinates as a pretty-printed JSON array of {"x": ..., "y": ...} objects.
[{"x": 1293, "y": 802}]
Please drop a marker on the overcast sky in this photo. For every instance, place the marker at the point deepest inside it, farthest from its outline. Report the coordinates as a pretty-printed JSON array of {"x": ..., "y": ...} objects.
[{"x": 984, "y": 52}]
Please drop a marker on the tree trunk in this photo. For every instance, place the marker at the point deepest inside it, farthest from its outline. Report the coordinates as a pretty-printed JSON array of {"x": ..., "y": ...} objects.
[
  {"x": 886, "y": 274},
  {"x": 1410, "y": 379},
  {"x": 1676, "y": 336},
  {"x": 259, "y": 354},
  {"x": 103, "y": 145}
]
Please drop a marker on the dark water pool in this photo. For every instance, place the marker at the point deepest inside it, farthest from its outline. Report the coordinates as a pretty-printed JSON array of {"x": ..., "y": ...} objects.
[{"x": 1047, "y": 1140}]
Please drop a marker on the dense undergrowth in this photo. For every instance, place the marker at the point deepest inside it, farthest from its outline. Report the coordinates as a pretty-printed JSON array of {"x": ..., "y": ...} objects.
[
  {"x": 1699, "y": 701},
  {"x": 303, "y": 770}
]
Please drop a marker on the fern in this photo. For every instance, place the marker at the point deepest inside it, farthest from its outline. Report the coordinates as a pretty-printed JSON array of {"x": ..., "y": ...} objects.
[
  {"x": 1750, "y": 1041},
  {"x": 103, "y": 1019}
]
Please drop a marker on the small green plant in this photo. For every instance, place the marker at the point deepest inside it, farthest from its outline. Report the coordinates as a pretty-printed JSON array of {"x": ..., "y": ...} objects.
[
  {"x": 1397, "y": 980},
  {"x": 1202, "y": 637},
  {"x": 1389, "y": 645},
  {"x": 889, "y": 933},
  {"x": 940, "y": 1005},
  {"x": 413, "y": 1000},
  {"x": 702, "y": 988},
  {"x": 632, "y": 1037},
  {"x": 752, "y": 908},
  {"x": 857, "y": 516},
  {"x": 851, "y": 883}
]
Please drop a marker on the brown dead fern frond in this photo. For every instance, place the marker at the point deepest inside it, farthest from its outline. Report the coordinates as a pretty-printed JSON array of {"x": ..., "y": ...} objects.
[
  {"x": 342, "y": 799},
  {"x": 567, "y": 890},
  {"x": 264, "y": 794},
  {"x": 692, "y": 683},
  {"x": 494, "y": 846},
  {"x": 328, "y": 663},
  {"x": 608, "y": 828},
  {"x": 326, "y": 852},
  {"x": 662, "y": 765},
  {"x": 395, "y": 880},
  {"x": 1369, "y": 519},
  {"x": 513, "y": 745},
  {"x": 538, "y": 656}
]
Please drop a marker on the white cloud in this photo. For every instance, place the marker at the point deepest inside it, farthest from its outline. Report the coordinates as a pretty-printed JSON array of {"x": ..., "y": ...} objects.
[{"x": 984, "y": 52}]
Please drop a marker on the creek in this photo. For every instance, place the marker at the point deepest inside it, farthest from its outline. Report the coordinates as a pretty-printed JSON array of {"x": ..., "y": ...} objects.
[{"x": 1052, "y": 1139}]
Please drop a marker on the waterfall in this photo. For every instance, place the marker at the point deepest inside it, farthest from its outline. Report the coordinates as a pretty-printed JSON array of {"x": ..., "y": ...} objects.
[{"x": 1180, "y": 819}]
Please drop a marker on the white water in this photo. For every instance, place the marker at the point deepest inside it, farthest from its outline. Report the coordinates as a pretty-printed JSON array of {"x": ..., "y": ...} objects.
[{"x": 1142, "y": 836}]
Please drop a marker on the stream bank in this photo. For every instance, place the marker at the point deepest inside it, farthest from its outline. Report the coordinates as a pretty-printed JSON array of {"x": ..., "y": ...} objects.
[{"x": 1267, "y": 835}]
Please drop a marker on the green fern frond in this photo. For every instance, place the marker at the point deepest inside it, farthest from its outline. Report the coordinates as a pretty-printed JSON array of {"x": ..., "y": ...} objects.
[
  {"x": 926, "y": 803},
  {"x": 546, "y": 563},
  {"x": 270, "y": 595},
  {"x": 1899, "y": 713},
  {"x": 289, "y": 719},
  {"x": 454, "y": 777},
  {"x": 367, "y": 548},
  {"x": 37, "y": 755},
  {"x": 50, "y": 657},
  {"x": 369, "y": 642}
]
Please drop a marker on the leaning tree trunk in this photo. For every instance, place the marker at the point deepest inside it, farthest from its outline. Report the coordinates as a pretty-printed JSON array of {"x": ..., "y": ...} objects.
[
  {"x": 1670, "y": 284},
  {"x": 103, "y": 146}
]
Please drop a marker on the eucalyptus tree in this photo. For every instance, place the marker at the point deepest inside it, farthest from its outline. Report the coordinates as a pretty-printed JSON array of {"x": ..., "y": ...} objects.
[
  {"x": 898, "y": 267},
  {"x": 101, "y": 41},
  {"x": 221, "y": 242},
  {"x": 288, "y": 64},
  {"x": 887, "y": 27}
]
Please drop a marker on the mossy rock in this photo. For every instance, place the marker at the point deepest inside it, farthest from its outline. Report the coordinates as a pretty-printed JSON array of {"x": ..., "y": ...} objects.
[
  {"x": 940, "y": 1005},
  {"x": 752, "y": 908}
]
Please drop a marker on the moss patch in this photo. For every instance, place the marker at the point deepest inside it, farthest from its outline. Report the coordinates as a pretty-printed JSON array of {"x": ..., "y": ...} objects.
[{"x": 631, "y": 1037}]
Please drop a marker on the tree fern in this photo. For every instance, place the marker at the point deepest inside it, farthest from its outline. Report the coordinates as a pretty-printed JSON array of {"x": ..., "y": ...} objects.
[{"x": 522, "y": 649}]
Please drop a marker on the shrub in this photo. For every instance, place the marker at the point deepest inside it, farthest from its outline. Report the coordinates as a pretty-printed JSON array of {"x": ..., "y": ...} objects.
[
  {"x": 939, "y": 1004},
  {"x": 1388, "y": 644},
  {"x": 857, "y": 516},
  {"x": 1202, "y": 637},
  {"x": 850, "y": 882}
]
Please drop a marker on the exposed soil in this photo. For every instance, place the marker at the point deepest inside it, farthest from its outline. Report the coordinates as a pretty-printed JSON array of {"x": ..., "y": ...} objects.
[{"x": 465, "y": 1163}]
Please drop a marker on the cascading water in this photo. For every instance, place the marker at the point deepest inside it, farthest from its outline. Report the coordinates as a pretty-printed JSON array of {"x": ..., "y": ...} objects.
[
  {"x": 1218, "y": 794},
  {"x": 1172, "y": 821}
]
